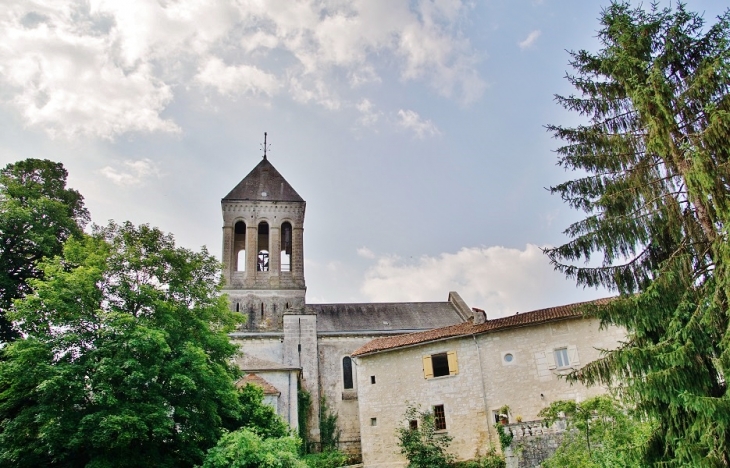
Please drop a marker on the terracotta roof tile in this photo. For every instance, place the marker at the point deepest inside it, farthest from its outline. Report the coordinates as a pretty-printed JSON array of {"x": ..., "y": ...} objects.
[
  {"x": 254, "y": 379},
  {"x": 468, "y": 328}
]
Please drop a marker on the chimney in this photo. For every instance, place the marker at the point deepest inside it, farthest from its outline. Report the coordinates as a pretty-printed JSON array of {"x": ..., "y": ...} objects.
[{"x": 479, "y": 316}]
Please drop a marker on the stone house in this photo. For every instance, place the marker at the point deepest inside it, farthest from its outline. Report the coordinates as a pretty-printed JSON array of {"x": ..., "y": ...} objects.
[
  {"x": 465, "y": 373},
  {"x": 335, "y": 352}
]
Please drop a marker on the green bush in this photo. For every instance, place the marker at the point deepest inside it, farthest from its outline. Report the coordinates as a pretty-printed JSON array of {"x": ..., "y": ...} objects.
[
  {"x": 328, "y": 459},
  {"x": 421, "y": 445},
  {"x": 245, "y": 449},
  {"x": 257, "y": 415},
  {"x": 491, "y": 460},
  {"x": 602, "y": 433}
]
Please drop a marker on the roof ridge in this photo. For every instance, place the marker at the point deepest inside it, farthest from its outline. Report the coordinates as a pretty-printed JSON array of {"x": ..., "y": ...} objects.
[
  {"x": 512, "y": 321},
  {"x": 378, "y": 303}
]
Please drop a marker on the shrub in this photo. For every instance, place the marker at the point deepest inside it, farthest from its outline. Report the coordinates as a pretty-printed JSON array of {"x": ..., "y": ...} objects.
[
  {"x": 245, "y": 449},
  {"x": 421, "y": 445},
  {"x": 328, "y": 459},
  {"x": 329, "y": 433}
]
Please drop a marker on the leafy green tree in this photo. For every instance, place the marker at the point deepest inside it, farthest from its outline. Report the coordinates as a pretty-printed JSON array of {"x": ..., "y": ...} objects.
[
  {"x": 246, "y": 449},
  {"x": 655, "y": 191},
  {"x": 125, "y": 360},
  {"x": 257, "y": 416},
  {"x": 37, "y": 214},
  {"x": 603, "y": 435},
  {"x": 420, "y": 444}
]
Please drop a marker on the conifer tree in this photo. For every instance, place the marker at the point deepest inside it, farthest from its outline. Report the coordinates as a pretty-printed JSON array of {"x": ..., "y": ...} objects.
[{"x": 655, "y": 191}]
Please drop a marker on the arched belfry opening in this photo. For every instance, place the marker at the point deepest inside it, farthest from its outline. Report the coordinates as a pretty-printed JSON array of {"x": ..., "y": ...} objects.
[
  {"x": 262, "y": 263},
  {"x": 263, "y": 248},
  {"x": 239, "y": 242},
  {"x": 286, "y": 246}
]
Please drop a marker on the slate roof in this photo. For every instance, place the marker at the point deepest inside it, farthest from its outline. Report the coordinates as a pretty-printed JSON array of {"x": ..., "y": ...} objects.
[
  {"x": 264, "y": 178},
  {"x": 469, "y": 328},
  {"x": 384, "y": 316},
  {"x": 248, "y": 363},
  {"x": 259, "y": 381}
]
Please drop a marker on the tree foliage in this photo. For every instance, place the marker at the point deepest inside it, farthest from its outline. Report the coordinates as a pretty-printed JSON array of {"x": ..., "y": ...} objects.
[
  {"x": 655, "y": 193},
  {"x": 601, "y": 434},
  {"x": 491, "y": 459},
  {"x": 257, "y": 416},
  {"x": 329, "y": 431},
  {"x": 421, "y": 446},
  {"x": 246, "y": 449},
  {"x": 37, "y": 214},
  {"x": 327, "y": 459},
  {"x": 125, "y": 360}
]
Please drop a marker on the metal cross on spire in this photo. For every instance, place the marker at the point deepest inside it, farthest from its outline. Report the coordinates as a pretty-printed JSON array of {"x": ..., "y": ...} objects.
[{"x": 265, "y": 146}]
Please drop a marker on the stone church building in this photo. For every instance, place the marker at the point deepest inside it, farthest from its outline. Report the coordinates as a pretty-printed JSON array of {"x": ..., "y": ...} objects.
[{"x": 367, "y": 360}]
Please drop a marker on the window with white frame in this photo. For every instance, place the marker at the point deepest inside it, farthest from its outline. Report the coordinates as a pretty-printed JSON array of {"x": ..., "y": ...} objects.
[
  {"x": 508, "y": 358},
  {"x": 561, "y": 358}
]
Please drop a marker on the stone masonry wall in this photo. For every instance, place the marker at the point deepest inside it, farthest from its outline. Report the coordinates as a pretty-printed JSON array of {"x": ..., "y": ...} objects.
[
  {"x": 531, "y": 380},
  {"x": 527, "y": 382},
  {"x": 300, "y": 350},
  {"x": 344, "y": 402},
  {"x": 264, "y": 310},
  {"x": 399, "y": 381}
]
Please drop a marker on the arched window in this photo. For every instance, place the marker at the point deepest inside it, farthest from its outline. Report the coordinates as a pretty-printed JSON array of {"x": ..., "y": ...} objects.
[
  {"x": 286, "y": 244},
  {"x": 262, "y": 263},
  {"x": 347, "y": 372},
  {"x": 239, "y": 245}
]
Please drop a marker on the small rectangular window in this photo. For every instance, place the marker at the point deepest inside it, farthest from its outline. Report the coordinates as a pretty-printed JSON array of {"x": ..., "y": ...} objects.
[
  {"x": 413, "y": 424},
  {"x": 561, "y": 357},
  {"x": 439, "y": 418},
  {"x": 373, "y": 421},
  {"x": 372, "y": 379}
]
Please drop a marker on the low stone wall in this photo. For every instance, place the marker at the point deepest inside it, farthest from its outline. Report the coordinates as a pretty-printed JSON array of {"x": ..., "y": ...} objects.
[{"x": 532, "y": 443}]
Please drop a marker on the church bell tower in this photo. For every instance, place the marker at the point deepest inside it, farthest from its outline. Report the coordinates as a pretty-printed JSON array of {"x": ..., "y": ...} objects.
[{"x": 263, "y": 257}]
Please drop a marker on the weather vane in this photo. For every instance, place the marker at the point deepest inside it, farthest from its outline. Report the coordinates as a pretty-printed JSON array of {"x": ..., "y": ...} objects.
[{"x": 265, "y": 146}]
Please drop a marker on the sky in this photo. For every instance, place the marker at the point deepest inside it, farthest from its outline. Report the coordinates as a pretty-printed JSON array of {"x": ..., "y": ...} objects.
[{"x": 415, "y": 130}]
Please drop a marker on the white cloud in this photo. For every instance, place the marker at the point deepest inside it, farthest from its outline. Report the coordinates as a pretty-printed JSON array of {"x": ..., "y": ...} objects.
[
  {"x": 410, "y": 120},
  {"x": 529, "y": 40},
  {"x": 364, "y": 252},
  {"x": 368, "y": 116},
  {"x": 103, "y": 67},
  {"x": 132, "y": 173},
  {"x": 61, "y": 63},
  {"x": 500, "y": 280},
  {"x": 236, "y": 79}
]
